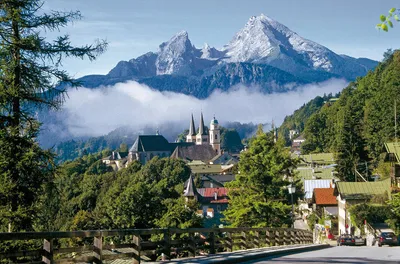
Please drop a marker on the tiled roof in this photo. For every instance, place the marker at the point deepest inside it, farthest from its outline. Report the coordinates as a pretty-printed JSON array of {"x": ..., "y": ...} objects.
[
  {"x": 209, "y": 192},
  {"x": 310, "y": 185},
  {"x": 362, "y": 190},
  {"x": 194, "y": 152},
  {"x": 324, "y": 196},
  {"x": 207, "y": 195}
]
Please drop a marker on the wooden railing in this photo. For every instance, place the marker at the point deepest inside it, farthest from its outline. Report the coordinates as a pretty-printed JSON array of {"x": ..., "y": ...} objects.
[{"x": 145, "y": 244}]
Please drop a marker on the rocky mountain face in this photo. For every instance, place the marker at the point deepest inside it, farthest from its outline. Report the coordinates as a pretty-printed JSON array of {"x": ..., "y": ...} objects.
[{"x": 263, "y": 53}]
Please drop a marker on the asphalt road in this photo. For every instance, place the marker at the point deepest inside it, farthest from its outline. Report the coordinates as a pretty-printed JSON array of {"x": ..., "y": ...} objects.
[{"x": 340, "y": 255}]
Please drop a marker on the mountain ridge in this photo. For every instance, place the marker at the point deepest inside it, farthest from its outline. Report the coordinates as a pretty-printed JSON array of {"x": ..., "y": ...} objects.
[{"x": 263, "y": 42}]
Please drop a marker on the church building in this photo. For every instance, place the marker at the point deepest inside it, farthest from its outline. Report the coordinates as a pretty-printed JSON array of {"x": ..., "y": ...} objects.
[{"x": 203, "y": 146}]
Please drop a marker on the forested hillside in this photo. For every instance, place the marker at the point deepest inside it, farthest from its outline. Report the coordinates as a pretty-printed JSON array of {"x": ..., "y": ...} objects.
[
  {"x": 87, "y": 194},
  {"x": 358, "y": 124},
  {"x": 297, "y": 120}
]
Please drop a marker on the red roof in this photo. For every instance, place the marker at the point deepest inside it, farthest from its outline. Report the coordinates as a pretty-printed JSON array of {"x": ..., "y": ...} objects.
[
  {"x": 324, "y": 196},
  {"x": 209, "y": 192}
]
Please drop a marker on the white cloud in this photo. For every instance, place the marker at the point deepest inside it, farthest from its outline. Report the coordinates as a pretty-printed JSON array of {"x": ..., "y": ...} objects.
[{"x": 94, "y": 112}]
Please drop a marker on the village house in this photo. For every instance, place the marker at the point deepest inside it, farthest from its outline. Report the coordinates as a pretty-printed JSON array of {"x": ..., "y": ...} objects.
[
  {"x": 325, "y": 204},
  {"x": 117, "y": 160},
  {"x": 212, "y": 175},
  {"x": 213, "y": 201},
  {"x": 296, "y": 144},
  {"x": 393, "y": 156},
  {"x": 325, "y": 201},
  {"x": 351, "y": 193}
]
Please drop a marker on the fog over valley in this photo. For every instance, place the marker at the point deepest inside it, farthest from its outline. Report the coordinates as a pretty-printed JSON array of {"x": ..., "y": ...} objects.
[{"x": 96, "y": 112}]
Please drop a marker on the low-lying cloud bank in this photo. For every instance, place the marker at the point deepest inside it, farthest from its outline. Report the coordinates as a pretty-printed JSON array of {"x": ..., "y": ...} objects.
[{"x": 95, "y": 112}]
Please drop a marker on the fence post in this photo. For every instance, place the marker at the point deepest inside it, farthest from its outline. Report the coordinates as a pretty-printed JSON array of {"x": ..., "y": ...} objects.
[
  {"x": 256, "y": 240},
  {"x": 300, "y": 235},
  {"x": 137, "y": 248},
  {"x": 243, "y": 239},
  {"x": 297, "y": 237},
  {"x": 229, "y": 241},
  {"x": 98, "y": 248},
  {"x": 211, "y": 236},
  {"x": 191, "y": 245},
  {"x": 277, "y": 238},
  {"x": 292, "y": 236},
  {"x": 267, "y": 238},
  {"x": 285, "y": 237},
  {"x": 47, "y": 255},
  {"x": 167, "y": 244}
]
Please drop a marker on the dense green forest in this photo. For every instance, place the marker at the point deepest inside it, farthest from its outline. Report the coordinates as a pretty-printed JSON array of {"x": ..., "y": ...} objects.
[
  {"x": 297, "y": 120},
  {"x": 358, "y": 124},
  {"x": 86, "y": 194}
]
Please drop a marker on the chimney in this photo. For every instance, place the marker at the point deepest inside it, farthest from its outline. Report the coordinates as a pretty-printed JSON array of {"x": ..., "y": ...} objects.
[{"x": 215, "y": 196}]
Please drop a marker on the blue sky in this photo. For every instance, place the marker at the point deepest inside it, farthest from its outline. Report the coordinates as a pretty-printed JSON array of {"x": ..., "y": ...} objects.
[{"x": 134, "y": 27}]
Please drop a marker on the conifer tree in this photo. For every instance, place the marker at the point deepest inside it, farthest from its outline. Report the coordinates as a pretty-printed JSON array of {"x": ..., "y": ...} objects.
[
  {"x": 30, "y": 78},
  {"x": 259, "y": 195}
]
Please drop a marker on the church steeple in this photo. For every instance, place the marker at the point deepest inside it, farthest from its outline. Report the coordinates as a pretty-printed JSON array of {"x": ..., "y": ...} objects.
[
  {"x": 202, "y": 136},
  {"x": 191, "y": 137},
  {"x": 215, "y": 135},
  {"x": 192, "y": 129},
  {"x": 202, "y": 131}
]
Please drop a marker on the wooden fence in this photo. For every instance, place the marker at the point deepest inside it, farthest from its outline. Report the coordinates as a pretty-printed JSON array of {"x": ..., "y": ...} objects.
[{"x": 144, "y": 244}]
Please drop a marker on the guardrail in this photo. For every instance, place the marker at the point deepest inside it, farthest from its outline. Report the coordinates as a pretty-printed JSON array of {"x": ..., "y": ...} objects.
[{"x": 100, "y": 245}]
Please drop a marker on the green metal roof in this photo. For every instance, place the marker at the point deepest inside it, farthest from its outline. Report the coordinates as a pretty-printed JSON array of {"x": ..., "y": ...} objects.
[
  {"x": 319, "y": 158},
  {"x": 206, "y": 168},
  {"x": 362, "y": 190},
  {"x": 393, "y": 147},
  {"x": 319, "y": 173}
]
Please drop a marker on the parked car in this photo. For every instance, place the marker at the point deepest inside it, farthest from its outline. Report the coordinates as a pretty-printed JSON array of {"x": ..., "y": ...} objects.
[
  {"x": 360, "y": 241},
  {"x": 387, "y": 238},
  {"x": 346, "y": 240}
]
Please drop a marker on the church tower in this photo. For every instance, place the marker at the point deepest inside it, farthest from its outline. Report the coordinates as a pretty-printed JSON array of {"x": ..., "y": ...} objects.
[
  {"x": 191, "y": 137},
  {"x": 202, "y": 136},
  {"x": 215, "y": 136}
]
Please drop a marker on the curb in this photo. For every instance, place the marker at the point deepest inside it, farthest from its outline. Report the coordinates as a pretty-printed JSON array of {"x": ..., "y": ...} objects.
[
  {"x": 237, "y": 257},
  {"x": 275, "y": 253}
]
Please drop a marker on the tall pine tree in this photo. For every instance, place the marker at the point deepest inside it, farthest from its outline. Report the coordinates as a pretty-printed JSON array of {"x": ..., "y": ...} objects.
[
  {"x": 30, "y": 77},
  {"x": 259, "y": 195}
]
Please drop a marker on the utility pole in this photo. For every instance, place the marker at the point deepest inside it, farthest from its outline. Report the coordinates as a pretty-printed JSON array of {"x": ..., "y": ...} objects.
[{"x": 395, "y": 121}]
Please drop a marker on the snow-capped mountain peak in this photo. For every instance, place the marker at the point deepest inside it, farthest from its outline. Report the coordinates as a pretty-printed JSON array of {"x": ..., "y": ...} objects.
[
  {"x": 173, "y": 54},
  {"x": 210, "y": 53},
  {"x": 263, "y": 39}
]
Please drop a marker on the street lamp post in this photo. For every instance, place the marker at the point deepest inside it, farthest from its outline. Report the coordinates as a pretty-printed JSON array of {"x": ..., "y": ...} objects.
[{"x": 292, "y": 190}]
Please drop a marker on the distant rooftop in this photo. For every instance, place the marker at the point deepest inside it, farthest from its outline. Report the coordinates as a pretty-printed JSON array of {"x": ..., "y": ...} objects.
[
  {"x": 319, "y": 158},
  {"x": 317, "y": 173}
]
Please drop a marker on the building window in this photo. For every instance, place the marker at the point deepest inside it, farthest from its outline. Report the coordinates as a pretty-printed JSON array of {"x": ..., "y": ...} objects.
[
  {"x": 204, "y": 140},
  {"x": 216, "y": 136},
  {"x": 199, "y": 140}
]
